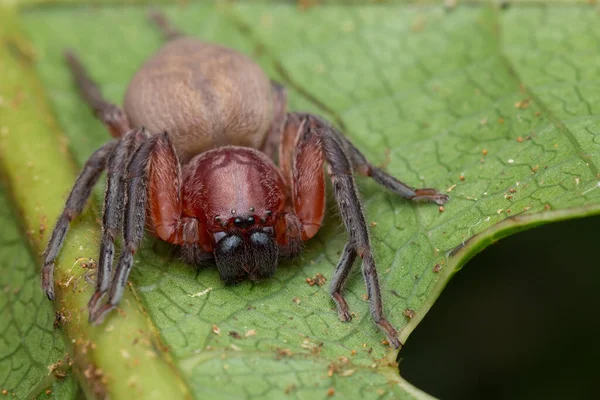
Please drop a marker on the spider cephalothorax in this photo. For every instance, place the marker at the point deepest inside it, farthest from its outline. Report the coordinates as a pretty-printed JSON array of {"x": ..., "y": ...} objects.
[{"x": 192, "y": 163}]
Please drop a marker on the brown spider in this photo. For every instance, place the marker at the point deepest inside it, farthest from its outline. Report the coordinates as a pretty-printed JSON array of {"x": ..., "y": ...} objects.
[{"x": 195, "y": 141}]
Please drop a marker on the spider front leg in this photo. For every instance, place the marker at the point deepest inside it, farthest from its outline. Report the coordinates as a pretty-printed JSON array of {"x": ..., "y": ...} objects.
[
  {"x": 316, "y": 142},
  {"x": 153, "y": 182},
  {"x": 112, "y": 218},
  {"x": 77, "y": 199}
]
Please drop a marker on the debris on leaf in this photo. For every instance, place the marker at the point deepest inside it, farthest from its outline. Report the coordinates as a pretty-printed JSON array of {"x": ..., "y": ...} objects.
[
  {"x": 216, "y": 330},
  {"x": 249, "y": 333},
  {"x": 281, "y": 353},
  {"x": 332, "y": 369},
  {"x": 522, "y": 104},
  {"x": 235, "y": 335},
  {"x": 318, "y": 280},
  {"x": 409, "y": 313},
  {"x": 451, "y": 188},
  {"x": 96, "y": 379},
  {"x": 315, "y": 348},
  {"x": 59, "y": 318},
  {"x": 202, "y": 293},
  {"x": 289, "y": 389},
  {"x": 59, "y": 369},
  {"x": 296, "y": 300}
]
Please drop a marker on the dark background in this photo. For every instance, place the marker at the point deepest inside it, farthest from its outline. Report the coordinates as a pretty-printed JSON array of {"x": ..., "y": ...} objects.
[{"x": 519, "y": 321}]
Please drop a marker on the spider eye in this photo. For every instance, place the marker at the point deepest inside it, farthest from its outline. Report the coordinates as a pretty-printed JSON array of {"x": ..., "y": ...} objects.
[{"x": 242, "y": 222}]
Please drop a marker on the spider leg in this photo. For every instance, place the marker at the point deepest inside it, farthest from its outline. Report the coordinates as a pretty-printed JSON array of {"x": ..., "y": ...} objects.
[
  {"x": 338, "y": 281},
  {"x": 112, "y": 117},
  {"x": 77, "y": 198},
  {"x": 362, "y": 165},
  {"x": 113, "y": 208},
  {"x": 134, "y": 218},
  {"x": 163, "y": 24},
  {"x": 316, "y": 132},
  {"x": 152, "y": 188}
]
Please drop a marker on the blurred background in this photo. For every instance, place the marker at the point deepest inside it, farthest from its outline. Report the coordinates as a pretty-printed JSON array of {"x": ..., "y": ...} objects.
[{"x": 519, "y": 321}]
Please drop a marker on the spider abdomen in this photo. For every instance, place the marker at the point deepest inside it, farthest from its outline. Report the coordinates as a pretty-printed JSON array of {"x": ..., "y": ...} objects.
[{"x": 203, "y": 95}]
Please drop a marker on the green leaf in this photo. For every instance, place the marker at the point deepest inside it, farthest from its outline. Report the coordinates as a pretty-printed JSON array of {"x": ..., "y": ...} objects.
[
  {"x": 29, "y": 342},
  {"x": 506, "y": 99}
]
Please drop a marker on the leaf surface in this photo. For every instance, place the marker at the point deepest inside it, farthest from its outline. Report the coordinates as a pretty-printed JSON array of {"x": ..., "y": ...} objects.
[
  {"x": 30, "y": 343},
  {"x": 499, "y": 108}
]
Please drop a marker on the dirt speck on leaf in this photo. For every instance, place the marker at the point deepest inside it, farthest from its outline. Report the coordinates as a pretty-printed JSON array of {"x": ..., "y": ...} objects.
[
  {"x": 318, "y": 280},
  {"x": 289, "y": 389},
  {"x": 283, "y": 353}
]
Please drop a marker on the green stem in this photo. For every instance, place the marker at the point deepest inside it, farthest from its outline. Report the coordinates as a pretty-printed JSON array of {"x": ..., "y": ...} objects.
[{"x": 123, "y": 356}]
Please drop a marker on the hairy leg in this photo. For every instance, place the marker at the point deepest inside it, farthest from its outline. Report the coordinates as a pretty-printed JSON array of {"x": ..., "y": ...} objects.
[
  {"x": 133, "y": 225},
  {"x": 362, "y": 166},
  {"x": 112, "y": 219},
  {"x": 314, "y": 132},
  {"x": 112, "y": 117},
  {"x": 77, "y": 198},
  {"x": 338, "y": 281},
  {"x": 163, "y": 24},
  {"x": 152, "y": 188}
]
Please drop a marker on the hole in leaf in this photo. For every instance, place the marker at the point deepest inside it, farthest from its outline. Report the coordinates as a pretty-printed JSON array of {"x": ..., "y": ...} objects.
[{"x": 518, "y": 321}]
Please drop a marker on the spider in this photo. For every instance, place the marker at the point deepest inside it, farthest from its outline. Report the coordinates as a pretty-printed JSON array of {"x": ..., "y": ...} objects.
[{"x": 192, "y": 162}]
